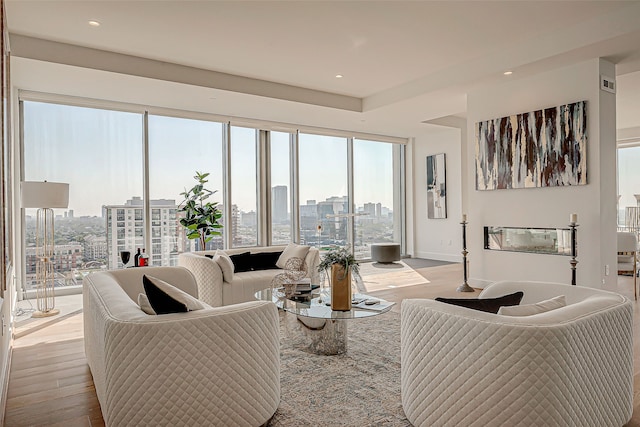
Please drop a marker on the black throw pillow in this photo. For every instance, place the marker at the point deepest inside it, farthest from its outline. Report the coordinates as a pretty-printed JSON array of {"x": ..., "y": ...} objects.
[
  {"x": 241, "y": 262},
  {"x": 490, "y": 305},
  {"x": 161, "y": 302},
  {"x": 264, "y": 260}
]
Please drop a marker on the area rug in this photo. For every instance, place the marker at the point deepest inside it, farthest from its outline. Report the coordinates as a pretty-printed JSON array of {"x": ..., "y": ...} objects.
[{"x": 359, "y": 388}]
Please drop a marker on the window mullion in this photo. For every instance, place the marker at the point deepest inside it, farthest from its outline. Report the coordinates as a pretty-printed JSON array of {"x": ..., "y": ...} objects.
[
  {"x": 226, "y": 184},
  {"x": 350, "y": 196},
  {"x": 145, "y": 184},
  {"x": 295, "y": 187},
  {"x": 263, "y": 160}
]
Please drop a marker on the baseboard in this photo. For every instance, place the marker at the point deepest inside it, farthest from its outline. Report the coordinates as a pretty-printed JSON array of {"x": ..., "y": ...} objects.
[
  {"x": 478, "y": 283},
  {"x": 4, "y": 377},
  {"x": 438, "y": 256}
]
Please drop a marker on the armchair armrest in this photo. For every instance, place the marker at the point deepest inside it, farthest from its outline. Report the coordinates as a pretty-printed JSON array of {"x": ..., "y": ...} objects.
[
  {"x": 208, "y": 277},
  {"x": 218, "y": 366}
]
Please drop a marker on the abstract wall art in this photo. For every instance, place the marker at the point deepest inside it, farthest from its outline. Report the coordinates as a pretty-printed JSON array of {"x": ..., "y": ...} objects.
[
  {"x": 436, "y": 186},
  {"x": 543, "y": 148}
]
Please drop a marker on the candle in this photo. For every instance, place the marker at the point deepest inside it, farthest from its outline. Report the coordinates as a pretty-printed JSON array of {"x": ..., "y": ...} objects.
[
  {"x": 464, "y": 217},
  {"x": 573, "y": 218}
]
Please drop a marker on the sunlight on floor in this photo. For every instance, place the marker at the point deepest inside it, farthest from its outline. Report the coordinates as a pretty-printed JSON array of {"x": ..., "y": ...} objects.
[
  {"x": 64, "y": 326},
  {"x": 379, "y": 276}
]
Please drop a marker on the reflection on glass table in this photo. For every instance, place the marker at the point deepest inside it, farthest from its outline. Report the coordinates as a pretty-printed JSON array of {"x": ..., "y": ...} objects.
[
  {"x": 318, "y": 305},
  {"x": 325, "y": 329}
]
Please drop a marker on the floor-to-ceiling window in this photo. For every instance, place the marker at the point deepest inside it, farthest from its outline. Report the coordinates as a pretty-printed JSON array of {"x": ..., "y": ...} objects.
[
  {"x": 244, "y": 191},
  {"x": 178, "y": 148},
  {"x": 280, "y": 188},
  {"x": 324, "y": 202},
  {"x": 373, "y": 181},
  {"x": 100, "y": 154},
  {"x": 337, "y": 190}
]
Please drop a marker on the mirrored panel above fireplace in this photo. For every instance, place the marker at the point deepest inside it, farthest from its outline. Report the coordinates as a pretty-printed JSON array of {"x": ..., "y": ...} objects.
[{"x": 554, "y": 241}]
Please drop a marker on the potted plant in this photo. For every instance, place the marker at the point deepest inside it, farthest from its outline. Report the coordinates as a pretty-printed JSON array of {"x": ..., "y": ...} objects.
[
  {"x": 202, "y": 217},
  {"x": 341, "y": 262}
]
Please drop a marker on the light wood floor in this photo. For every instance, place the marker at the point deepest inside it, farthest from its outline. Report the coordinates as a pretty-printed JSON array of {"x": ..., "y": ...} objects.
[{"x": 50, "y": 383}]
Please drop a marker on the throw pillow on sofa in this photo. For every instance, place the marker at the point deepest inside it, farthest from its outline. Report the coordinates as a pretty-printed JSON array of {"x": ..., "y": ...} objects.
[
  {"x": 490, "y": 305},
  {"x": 225, "y": 264},
  {"x": 292, "y": 251},
  {"x": 264, "y": 260},
  {"x": 530, "y": 309},
  {"x": 145, "y": 305},
  {"x": 165, "y": 298},
  {"x": 241, "y": 262},
  {"x": 247, "y": 261}
]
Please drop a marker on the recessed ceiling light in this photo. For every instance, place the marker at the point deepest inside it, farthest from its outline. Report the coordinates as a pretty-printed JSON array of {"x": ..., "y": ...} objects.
[
  {"x": 339, "y": 76},
  {"x": 94, "y": 23},
  {"x": 508, "y": 73}
]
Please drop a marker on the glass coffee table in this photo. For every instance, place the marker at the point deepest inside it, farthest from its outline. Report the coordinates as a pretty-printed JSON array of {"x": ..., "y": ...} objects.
[{"x": 326, "y": 329}]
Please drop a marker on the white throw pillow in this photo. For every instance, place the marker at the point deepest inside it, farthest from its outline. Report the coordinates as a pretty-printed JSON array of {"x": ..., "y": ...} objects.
[
  {"x": 145, "y": 305},
  {"x": 226, "y": 265},
  {"x": 530, "y": 309},
  {"x": 292, "y": 251},
  {"x": 167, "y": 292}
]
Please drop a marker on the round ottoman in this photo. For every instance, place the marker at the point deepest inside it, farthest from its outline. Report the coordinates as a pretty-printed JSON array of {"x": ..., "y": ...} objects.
[{"x": 385, "y": 252}]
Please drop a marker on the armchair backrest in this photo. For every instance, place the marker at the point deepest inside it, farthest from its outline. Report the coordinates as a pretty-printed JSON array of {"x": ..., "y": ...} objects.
[
  {"x": 130, "y": 279},
  {"x": 627, "y": 242},
  {"x": 540, "y": 291}
]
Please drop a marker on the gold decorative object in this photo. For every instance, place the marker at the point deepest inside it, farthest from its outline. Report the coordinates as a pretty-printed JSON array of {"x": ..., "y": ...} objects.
[{"x": 340, "y": 288}]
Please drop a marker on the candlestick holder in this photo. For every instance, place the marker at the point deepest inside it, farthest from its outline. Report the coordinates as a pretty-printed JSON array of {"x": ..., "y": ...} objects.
[
  {"x": 574, "y": 252},
  {"x": 465, "y": 286}
]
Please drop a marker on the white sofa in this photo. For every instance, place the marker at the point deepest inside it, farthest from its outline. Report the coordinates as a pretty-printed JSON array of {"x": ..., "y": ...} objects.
[
  {"x": 216, "y": 291},
  {"x": 572, "y": 366},
  {"x": 213, "y": 367}
]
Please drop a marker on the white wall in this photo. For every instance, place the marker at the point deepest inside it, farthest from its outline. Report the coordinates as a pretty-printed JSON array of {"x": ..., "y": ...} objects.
[
  {"x": 437, "y": 238},
  {"x": 548, "y": 207}
]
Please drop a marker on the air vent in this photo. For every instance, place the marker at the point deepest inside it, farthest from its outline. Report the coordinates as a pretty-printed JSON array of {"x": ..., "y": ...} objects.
[{"x": 607, "y": 84}]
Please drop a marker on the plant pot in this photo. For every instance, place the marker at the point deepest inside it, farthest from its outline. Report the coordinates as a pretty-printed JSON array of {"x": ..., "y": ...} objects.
[{"x": 340, "y": 288}]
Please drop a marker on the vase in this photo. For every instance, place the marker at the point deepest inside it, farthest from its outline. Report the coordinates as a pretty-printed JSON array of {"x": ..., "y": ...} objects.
[{"x": 340, "y": 288}]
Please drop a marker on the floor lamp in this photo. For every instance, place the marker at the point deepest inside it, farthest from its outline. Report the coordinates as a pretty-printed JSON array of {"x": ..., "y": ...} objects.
[{"x": 45, "y": 196}]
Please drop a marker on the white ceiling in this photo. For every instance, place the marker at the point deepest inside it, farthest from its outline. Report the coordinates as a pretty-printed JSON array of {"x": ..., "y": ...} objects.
[{"x": 403, "y": 62}]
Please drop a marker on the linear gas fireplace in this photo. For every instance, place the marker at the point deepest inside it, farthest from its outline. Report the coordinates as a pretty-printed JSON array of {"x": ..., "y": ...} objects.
[{"x": 553, "y": 241}]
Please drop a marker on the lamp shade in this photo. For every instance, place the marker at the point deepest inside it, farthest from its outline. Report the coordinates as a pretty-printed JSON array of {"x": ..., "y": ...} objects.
[{"x": 38, "y": 194}]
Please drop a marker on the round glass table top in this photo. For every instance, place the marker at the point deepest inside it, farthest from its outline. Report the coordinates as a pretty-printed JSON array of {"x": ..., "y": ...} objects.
[{"x": 317, "y": 305}]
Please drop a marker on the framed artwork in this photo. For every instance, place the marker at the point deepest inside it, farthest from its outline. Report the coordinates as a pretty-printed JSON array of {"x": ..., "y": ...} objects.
[
  {"x": 543, "y": 148},
  {"x": 436, "y": 186}
]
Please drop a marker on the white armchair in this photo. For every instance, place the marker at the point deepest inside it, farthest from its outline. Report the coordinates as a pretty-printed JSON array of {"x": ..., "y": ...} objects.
[
  {"x": 570, "y": 367},
  {"x": 628, "y": 257},
  {"x": 213, "y": 367}
]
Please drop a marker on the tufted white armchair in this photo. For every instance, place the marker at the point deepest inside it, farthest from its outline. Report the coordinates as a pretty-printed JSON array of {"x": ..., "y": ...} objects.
[
  {"x": 211, "y": 367},
  {"x": 570, "y": 367}
]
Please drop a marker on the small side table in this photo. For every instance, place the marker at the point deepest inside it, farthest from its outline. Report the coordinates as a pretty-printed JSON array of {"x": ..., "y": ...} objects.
[{"x": 385, "y": 252}]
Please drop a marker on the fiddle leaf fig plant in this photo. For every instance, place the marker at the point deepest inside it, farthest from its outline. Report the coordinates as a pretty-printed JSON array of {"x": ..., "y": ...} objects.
[{"x": 202, "y": 217}]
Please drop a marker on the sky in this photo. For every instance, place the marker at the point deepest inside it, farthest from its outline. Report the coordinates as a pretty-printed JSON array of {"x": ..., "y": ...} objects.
[{"x": 100, "y": 154}]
